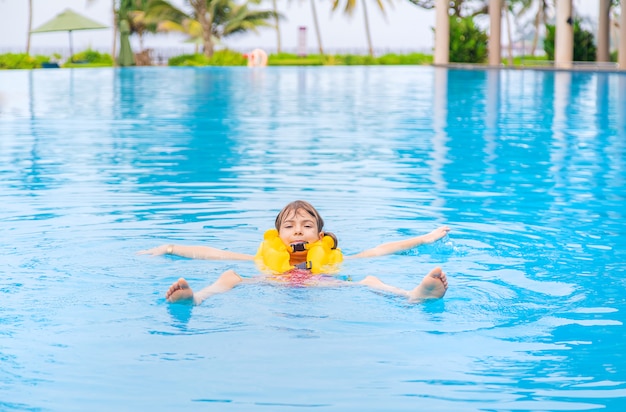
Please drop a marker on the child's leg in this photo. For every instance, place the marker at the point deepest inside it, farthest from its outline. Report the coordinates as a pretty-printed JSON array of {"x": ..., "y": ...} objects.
[
  {"x": 433, "y": 286},
  {"x": 181, "y": 292}
]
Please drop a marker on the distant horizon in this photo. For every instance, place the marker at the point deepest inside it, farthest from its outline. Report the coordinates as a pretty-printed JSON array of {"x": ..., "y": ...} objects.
[
  {"x": 175, "y": 50},
  {"x": 406, "y": 28}
]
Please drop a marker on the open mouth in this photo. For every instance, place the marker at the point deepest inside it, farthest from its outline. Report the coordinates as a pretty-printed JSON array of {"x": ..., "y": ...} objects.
[{"x": 298, "y": 246}]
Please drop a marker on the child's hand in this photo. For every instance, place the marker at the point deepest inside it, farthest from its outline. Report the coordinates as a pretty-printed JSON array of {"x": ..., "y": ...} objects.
[
  {"x": 155, "y": 251},
  {"x": 438, "y": 233}
]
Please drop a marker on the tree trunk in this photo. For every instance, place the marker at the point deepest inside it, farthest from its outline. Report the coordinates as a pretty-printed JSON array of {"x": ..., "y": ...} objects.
[
  {"x": 206, "y": 37},
  {"x": 509, "y": 35},
  {"x": 278, "y": 48},
  {"x": 115, "y": 25},
  {"x": 30, "y": 25},
  {"x": 538, "y": 20},
  {"x": 317, "y": 28},
  {"x": 199, "y": 7},
  {"x": 367, "y": 29}
]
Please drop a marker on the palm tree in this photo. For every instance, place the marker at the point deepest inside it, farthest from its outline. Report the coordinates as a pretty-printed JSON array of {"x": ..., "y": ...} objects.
[
  {"x": 317, "y": 28},
  {"x": 278, "y": 48},
  {"x": 456, "y": 6},
  {"x": 114, "y": 9},
  {"x": 143, "y": 16},
  {"x": 240, "y": 18},
  {"x": 187, "y": 25},
  {"x": 114, "y": 45},
  {"x": 315, "y": 24},
  {"x": 349, "y": 9},
  {"x": 540, "y": 12},
  {"x": 213, "y": 20},
  {"x": 30, "y": 25},
  {"x": 139, "y": 24}
]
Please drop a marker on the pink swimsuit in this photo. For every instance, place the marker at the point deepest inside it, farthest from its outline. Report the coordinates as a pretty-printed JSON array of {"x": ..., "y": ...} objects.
[{"x": 302, "y": 277}]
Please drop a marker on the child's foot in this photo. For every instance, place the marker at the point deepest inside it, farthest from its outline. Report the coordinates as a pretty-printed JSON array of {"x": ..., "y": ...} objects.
[
  {"x": 433, "y": 286},
  {"x": 179, "y": 290}
]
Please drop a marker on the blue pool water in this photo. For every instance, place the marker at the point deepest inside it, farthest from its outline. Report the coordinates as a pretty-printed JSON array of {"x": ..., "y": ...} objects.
[{"x": 528, "y": 168}]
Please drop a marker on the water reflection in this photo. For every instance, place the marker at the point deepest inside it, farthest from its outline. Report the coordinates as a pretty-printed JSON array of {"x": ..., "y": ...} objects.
[
  {"x": 527, "y": 167},
  {"x": 430, "y": 135},
  {"x": 440, "y": 139}
]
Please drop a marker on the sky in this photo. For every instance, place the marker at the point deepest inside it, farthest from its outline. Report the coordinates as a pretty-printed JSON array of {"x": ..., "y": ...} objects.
[{"x": 404, "y": 27}]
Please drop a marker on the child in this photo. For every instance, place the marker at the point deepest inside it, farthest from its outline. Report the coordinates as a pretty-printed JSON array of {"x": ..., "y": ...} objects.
[{"x": 288, "y": 253}]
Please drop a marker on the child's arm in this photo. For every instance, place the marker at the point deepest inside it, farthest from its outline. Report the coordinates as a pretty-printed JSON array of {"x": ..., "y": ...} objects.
[
  {"x": 196, "y": 252},
  {"x": 393, "y": 247}
]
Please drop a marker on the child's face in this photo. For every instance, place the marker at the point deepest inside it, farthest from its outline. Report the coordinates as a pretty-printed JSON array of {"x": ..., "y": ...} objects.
[{"x": 299, "y": 227}]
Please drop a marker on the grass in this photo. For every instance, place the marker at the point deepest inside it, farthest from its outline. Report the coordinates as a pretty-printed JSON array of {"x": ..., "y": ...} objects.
[
  {"x": 91, "y": 58},
  {"x": 287, "y": 59}
]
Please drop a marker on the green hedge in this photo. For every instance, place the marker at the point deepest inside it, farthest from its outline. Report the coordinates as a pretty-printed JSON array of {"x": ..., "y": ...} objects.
[
  {"x": 411, "y": 58},
  {"x": 286, "y": 59},
  {"x": 468, "y": 43},
  {"x": 290, "y": 59},
  {"x": 584, "y": 46},
  {"x": 90, "y": 58},
  {"x": 220, "y": 58},
  {"x": 87, "y": 58},
  {"x": 232, "y": 58},
  {"x": 227, "y": 58},
  {"x": 21, "y": 61}
]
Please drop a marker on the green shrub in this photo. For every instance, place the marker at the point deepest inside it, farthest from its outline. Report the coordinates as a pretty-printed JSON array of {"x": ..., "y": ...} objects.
[
  {"x": 231, "y": 58},
  {"x": 18, "y": 61},
  {"x": 468, "y": 44},
  {"x": 548, "y": 42},
  {"x": 220, "y": 58},
  {"x": 527, "y": 60},
  {"x": 89, "y": 58},
  {"x": 189, "y": 60},
  {"x": 227, "y": 58},
  {"x": 92, "y": 56},
  {"x": 42, "y": 59},
  {"x": 390, "y": 58},
  {"x": 584, "y": 47},
  {"x": 411, "y": 58},
  {"x": 290, "y": 59},
  {"x": 354, "y": 60}
]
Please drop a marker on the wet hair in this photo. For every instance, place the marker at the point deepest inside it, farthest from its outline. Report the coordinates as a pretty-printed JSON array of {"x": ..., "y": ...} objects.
[{"x": 296, "y": 205}]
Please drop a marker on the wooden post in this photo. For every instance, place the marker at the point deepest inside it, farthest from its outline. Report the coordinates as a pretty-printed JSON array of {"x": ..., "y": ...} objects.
[
  {"x": 442, "y": 32},
  {"x": 602, "y": 54},
  {"x": 564, "y": 41},
  {"x": 621, "y": 53},
  {"x": 495, "y": 24}
]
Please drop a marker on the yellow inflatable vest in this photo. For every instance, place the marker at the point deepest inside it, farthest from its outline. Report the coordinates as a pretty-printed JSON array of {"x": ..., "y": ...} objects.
[{"x": 273, "y": 255}]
